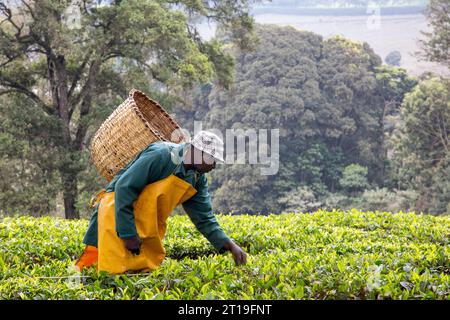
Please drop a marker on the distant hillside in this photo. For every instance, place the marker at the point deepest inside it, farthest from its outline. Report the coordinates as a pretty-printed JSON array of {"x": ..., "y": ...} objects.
[
  {"x": 339, "y": 8},
  {"x": 342, "y": 3}
]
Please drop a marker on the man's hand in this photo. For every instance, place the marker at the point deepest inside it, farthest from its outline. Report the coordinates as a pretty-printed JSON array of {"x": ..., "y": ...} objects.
[
  {"x": 133, "y": 244},
  {"x": 239, "y": 255}
]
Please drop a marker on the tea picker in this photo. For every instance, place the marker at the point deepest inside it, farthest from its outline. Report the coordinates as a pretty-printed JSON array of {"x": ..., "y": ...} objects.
[{"x": 150, "y": 171}]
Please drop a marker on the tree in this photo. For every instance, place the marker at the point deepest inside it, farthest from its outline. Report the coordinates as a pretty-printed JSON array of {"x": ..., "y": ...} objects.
[
  {"x": 393, "y": 84},
  {"x": 436, "y": 46},
  {"x": 354, "y": 178},
  {"x": 422, "y": 141},
  {"x": 299, "y": 200},
  {"x": 393, "y": 58},
  {"x": 27, "y": 164},
  {"x": 72, "y": 68},
  {"x": 387, "y": 200},
  {"x": 323, "y": 96}
]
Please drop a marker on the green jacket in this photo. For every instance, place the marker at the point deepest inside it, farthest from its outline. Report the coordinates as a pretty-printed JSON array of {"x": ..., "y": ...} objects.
[{"x": 152, "y": 164}]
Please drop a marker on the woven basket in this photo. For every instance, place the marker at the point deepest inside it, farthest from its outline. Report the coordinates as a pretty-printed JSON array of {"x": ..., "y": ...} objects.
[{"x": 134, "y": 124}]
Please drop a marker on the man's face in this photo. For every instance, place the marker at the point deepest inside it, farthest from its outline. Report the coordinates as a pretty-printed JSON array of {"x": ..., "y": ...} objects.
[{"x": 203, "y": 162}]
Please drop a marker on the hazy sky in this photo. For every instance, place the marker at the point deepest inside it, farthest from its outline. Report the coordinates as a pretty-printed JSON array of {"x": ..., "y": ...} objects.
[{"x": 384, "y": 33}]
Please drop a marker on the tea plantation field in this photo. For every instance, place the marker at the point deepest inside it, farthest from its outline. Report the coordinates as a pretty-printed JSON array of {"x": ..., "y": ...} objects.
[{"x": 324, "y": 255}]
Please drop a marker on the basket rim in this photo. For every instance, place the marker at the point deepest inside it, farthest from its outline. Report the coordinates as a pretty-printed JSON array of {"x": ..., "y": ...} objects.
[
  {"x": 132, "y": 94},
  {"x": 135, "y": 108}
]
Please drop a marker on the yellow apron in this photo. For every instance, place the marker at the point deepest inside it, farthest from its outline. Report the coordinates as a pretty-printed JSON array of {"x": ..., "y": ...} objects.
[{"x": 151, "y": 210}]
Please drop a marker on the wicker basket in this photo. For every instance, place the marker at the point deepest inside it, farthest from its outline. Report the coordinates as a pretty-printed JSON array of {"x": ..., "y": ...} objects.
[{"x": 133, "y": 125}]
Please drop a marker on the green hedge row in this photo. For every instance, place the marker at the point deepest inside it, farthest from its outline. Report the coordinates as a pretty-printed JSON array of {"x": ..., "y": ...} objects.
[{"x": 323, "y": 255}]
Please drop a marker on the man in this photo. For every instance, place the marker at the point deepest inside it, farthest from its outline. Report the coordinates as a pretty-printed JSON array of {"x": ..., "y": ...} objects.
[{"x": 129, "y": 221}]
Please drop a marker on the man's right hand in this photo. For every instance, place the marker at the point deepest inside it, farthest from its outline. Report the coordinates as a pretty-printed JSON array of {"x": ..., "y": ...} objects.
[
  {"x": 133, "y": 244},
  {"x": 239, "y": 255}
]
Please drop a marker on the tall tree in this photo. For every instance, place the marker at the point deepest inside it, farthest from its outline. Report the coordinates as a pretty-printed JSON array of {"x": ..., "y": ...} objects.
[
  {"x": 436, "y": 46},
  {"x": 65, "y": 57},
  {"x": 393, "y": 84},
  {"x": 29, "y": 182},
  {"x": 422, "y": 142}
]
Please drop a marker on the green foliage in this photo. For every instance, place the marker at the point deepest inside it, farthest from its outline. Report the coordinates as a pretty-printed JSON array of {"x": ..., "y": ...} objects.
[
  {"x": 436, "y": 46},
  {"x": 223, "y": 62},
  {"x": 422, "y": 144},
  {"x": 324, "y": 255},
  {"x": 28, "y": 181},
  {"x": 354, "y": 178},
  {"x": 393, "y": 84},
  {"x": 372, "y": 199},
  {"x": 324, "y": 96},
  {"x": 301, "y": 199},
  {"x": 389, "y": 200},
  {"x": 74, "y": 67}
]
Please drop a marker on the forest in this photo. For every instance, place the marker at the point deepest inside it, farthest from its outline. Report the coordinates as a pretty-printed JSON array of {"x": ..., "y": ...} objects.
[
  {"x": 345, "y": 140},
  {"x": 354, "y": 132}
]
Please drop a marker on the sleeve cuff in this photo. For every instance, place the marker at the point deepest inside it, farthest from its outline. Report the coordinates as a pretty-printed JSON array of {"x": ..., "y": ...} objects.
[
  {"x": 220, "y": 243},
  {"x": 126, "y": 235}
]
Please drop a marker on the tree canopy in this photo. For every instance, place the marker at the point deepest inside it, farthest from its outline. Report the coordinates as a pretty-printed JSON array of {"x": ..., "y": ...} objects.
[
  {"x": 73, "y": 61},
  {"x": 436, "y": 45},
  {"x": 328, "y": 98},
  {"x": 423, "y": 143}
]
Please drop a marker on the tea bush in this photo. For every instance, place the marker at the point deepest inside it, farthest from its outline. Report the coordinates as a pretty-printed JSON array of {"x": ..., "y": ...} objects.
[{"x": 323, "y": 255}]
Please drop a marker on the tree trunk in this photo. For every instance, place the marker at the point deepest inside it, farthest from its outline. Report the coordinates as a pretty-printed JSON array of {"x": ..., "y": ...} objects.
[
  {"x": 58, "y": 80},
  {"x": 69, "y": 180}
]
